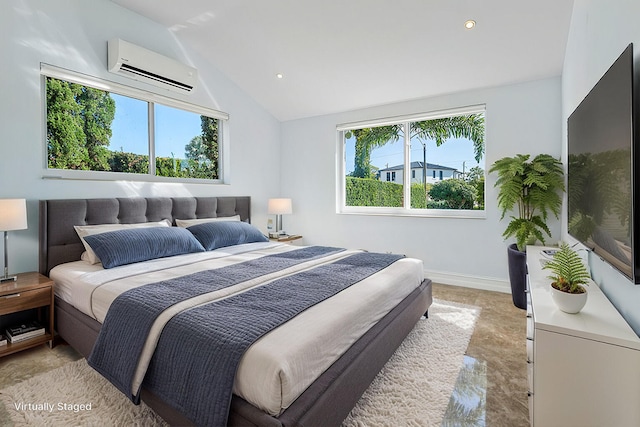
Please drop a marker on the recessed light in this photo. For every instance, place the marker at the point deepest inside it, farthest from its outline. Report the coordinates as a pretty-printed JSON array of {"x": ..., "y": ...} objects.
[
  {"x": 470, "y": 24},
  {"x": 279, "y": 75}
]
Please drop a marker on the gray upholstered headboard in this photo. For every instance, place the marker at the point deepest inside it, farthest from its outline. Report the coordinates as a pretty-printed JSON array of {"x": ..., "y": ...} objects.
[{"x": 59, "y": 242}]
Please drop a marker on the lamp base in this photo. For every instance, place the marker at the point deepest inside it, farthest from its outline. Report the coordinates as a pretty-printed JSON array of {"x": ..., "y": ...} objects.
[{"x": 8, "y": 278}]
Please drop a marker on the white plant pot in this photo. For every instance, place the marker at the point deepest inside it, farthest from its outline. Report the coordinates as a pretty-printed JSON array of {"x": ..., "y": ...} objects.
[{"x": 569, "y": 303}]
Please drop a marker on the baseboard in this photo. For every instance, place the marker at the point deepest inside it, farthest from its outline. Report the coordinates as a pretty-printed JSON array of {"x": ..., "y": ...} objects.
[{"x": 484, "y": 283}]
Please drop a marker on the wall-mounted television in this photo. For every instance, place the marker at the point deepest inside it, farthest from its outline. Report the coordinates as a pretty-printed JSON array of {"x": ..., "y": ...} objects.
[{"x": 602, "y": 178}]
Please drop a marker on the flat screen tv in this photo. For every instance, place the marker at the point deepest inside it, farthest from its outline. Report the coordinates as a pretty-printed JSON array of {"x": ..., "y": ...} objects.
[{"x": 602, "y": 180}]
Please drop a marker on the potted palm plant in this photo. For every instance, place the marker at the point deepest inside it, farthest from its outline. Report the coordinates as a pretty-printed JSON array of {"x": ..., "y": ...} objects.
[
  {"x": 534, "y": 188},
  {"x": 569, "y": 274}
]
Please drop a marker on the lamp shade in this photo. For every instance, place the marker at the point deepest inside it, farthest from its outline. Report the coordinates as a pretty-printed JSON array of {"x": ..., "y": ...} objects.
[
  {"x": 279, "y": 206},
  {"x": 13, "y": 214}
]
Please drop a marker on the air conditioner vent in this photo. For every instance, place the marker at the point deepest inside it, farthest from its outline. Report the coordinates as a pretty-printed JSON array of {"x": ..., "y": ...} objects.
[{"x": 145, "y": 65}]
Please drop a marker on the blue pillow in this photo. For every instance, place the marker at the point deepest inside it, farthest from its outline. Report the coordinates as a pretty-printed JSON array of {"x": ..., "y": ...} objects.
[
  {"x": 214, "y": 235},
  {"x": 127, "y": 246}
]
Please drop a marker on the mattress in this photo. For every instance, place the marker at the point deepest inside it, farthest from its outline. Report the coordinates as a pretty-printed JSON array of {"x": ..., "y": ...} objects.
[{"x": 277, "y": 368}]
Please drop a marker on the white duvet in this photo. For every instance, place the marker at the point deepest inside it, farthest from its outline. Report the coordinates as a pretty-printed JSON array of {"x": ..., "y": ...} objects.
[{"x": 282, "y": 364}]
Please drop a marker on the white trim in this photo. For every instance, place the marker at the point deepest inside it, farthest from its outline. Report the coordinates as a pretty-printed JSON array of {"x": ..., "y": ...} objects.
[
  {"x": 406, "y": 178},
  {"x": 151, "y": 137},
  {"x": 85, "y": 175},
  {"x": 474, "y": 282},
  {"x": 108, "y": 86},
  {"x": 432, "y": 213},
  {"x": 418, "y": 117}
]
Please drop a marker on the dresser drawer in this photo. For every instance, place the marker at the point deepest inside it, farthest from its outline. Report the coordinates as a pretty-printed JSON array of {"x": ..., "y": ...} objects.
[{"x": 25, "y": 300}]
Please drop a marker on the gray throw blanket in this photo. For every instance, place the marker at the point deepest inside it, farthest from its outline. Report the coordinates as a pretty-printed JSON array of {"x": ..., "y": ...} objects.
[
  {"x": 199, "y": 350},
  {"x": 132, "y": 313}
]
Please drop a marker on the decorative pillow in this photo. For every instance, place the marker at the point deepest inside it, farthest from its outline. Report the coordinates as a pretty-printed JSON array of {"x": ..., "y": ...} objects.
[
  {"x": 131, "y": 245},
  {"x": 189, "y": 222},
  {"x": 87, "y": 230},
  {"x": 213, "y": 235}
]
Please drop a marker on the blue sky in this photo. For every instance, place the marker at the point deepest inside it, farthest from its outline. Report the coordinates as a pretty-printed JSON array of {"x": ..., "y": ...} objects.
[{"x": 174, "y": 128}]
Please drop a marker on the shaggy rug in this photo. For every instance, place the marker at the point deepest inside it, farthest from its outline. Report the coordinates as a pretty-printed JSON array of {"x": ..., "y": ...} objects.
[{"x": 413, "y": 388}]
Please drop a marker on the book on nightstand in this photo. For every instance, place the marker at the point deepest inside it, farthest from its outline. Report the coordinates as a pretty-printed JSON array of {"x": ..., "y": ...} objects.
[
  {"x": 3, "y": 340},
  {"x": 24, "y": 331}
]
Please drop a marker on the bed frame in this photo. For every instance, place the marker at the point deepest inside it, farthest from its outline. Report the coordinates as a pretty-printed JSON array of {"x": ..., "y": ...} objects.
[{"x": 326, "y": 402}]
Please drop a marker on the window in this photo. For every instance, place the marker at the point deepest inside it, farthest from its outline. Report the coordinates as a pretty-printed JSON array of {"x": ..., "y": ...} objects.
[
  {"x": 101, "y": 130},
  {"x": 450, "y": 143}
]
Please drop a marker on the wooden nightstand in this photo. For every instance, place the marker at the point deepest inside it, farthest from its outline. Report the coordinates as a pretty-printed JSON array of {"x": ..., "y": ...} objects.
[
  {"x": 286, "y": 238},
  {"x": 29, "y": 291}
]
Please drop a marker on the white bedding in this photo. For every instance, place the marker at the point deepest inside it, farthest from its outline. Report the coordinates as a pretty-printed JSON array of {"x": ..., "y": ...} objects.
[{"x": 281, "y": 365}]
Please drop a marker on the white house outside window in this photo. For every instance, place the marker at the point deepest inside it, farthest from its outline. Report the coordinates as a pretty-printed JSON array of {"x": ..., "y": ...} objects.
[{"x": 390, "y": 165}]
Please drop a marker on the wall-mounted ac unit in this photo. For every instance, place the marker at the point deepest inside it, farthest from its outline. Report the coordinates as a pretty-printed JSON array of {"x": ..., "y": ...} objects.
[{"x": 147, "y": 66}]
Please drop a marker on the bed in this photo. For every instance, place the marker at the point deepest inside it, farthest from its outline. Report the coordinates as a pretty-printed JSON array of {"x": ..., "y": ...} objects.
[{"x": 332, "y": 393}]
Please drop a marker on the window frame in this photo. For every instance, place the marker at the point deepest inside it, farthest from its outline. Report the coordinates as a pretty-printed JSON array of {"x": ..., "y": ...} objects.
[
  {"x": 47, "y": 70},
  {"x": 405, "y": 210}
]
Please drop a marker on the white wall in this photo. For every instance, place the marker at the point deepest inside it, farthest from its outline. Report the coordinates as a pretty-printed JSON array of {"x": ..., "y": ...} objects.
[
  {"x": 600, "y": 31},
  {"x": 73, "y": 34},
  {"x": 523, "y": 118}
]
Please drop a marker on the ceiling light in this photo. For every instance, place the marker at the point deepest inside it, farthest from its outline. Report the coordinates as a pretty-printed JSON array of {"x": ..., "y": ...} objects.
[
  {"x": 470, "y": 24},
  {"x": 279, "y": 75}
]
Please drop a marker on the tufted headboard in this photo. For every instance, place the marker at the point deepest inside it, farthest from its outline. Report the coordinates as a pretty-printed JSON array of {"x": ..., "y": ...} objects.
[{"x": 59, "y": 242}]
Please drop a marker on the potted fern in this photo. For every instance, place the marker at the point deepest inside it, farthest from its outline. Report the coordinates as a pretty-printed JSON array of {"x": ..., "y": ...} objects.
[
  {"x": 569, "y": 274},
  {"x": 535, "y": 188}
]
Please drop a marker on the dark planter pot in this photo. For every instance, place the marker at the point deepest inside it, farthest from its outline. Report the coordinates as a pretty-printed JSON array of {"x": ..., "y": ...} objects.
[{"x": 518, "y": 275}]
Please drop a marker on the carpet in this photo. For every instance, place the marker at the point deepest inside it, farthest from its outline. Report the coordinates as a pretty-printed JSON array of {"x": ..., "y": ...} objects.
[{"x": 413, "y": 388}]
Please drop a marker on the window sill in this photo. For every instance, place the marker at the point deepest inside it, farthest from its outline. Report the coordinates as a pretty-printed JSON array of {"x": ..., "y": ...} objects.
[
  {"x": 77, "y": 175},
  {"x": 420, "y": 213}
]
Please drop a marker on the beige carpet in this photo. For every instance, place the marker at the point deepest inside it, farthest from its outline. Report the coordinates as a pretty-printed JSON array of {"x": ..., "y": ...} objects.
[{"x": 413, "y": 389}]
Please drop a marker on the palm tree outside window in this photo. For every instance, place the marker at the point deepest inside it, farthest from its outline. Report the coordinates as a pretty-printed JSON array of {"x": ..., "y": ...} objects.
[{"x": 450, "y": 139}]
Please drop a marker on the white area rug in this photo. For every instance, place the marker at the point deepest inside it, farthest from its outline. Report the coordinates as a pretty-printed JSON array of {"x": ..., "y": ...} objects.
[{"x": 413, "y": 389}]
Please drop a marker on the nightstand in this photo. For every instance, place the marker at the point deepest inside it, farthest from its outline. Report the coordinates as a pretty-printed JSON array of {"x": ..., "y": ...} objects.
[
  {"x": 286, "y": 238},
  {"x": 29, "y": 291}
]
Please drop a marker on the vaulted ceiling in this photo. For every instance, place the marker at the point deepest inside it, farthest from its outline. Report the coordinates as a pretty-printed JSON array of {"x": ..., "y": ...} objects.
[{"x": 338, "y": 55}]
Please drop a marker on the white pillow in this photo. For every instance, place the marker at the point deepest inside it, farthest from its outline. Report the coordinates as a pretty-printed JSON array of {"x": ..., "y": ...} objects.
[
  {"x": 86, "y": 230},
  {"x": 184, "y": 223}
]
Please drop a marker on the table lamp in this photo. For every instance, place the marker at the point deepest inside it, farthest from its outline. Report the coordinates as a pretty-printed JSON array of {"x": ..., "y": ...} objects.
[
  {"x": 279, "y": 207},
  {"x": 13, "y": 216}
]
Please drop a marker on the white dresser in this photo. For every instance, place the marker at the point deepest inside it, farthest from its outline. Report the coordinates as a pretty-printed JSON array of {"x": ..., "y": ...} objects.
[{"x": 583, "y": 369}]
